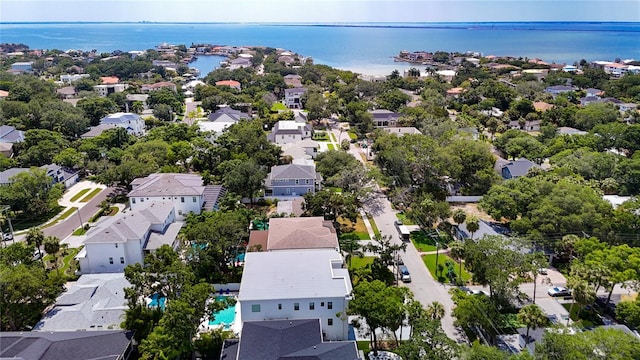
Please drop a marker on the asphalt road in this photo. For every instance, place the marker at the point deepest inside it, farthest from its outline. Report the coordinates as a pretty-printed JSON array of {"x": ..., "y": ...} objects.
[{"x": 425, "y": 289}]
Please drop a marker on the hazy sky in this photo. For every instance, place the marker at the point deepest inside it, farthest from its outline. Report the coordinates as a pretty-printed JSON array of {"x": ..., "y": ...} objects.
[{"x": 319, "y": 10}]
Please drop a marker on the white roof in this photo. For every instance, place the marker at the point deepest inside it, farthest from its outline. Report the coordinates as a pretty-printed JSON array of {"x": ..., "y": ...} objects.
[
  {"x": 289, "y": 125},
  {"x": 215, "y": 126},
  {"x": 294, "y": 274},
  {"x": 446, "y": 72}
]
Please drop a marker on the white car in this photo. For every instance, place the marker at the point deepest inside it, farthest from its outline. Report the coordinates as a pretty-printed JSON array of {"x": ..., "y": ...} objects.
[
  {"x": 478, "y": 292},
  {"x": 559, "y": 291}
]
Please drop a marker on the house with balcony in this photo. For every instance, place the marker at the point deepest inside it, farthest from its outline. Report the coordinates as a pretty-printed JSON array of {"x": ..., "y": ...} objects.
[
  {"x": 293, "y": 97},
  {"x": 106, "y": 89},
  {"x": 133, "y": 123},
  {"x": 62, "y": 174},
  {"x": 125, "y": 238},
  {"x": 184, "y": 191},
  {"x": 292, "y": 180},
  {"x": 296, "y": 285}
]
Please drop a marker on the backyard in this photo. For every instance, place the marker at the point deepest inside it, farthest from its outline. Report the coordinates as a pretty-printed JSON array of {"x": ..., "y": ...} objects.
[{"x": 359, "y": 230}]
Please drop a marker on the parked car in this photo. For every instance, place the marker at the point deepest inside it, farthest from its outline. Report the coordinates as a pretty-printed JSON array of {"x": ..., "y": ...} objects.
[
  {"x": 404, "y": 274},
  {"x": 542, "y": 271},
  {"x": 37, "y": 255},
  {"x": 7, "y": 236},
  {"x": 478, "y": 292},
  {"x": 559, "y": 291}
]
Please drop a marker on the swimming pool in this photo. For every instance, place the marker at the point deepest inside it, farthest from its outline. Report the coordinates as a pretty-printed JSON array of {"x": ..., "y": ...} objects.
[
  {"x": 157, "y": 301},
  {"x": 226, "y": 316}
]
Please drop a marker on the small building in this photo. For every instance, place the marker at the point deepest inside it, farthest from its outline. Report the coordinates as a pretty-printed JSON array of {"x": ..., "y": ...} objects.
[
  {"x": 110, "y": 80},
  {"x": 124, "y": 239},
  {"x": 78, "y": 345},
  {"x": 184, "y": 191},
  {"x": 511, "y": 169},
  {"x": 239, "y": 63},
  {"x": 230, "y": 83},
  {"x": 565, "y": 130},
  {"x": 293, "y": 96},
  {"x": 22, "y": 67},
  {"x": 296, "y": 233},
  {"x": 559, "y": 89},
  {"x": 528, "y": 126},
  {"x": 287, "y": 339},
  {"x": 228, "y": 114},
  {"x": 94, "y": 302},
  {"x": 289, "y": 131},
  {"x": 295, "y": 285},
  {"x": 4, "y": 94},
  {"x": 293, "y": 80},
  {"x": 292, "y": 180},
  {"x": 384, "y": 118},
  {"x": 63, "y": 175},
  {"x": 67, "y": 92},
  {"x": 400, "y": 131},
  {"x": 7, "y": 175},
  {"x": 71, "y": 78},
  {"x": 305, "y": 149},
  {"x": 104, "y": 90},
  {"x": 9, "y": 134},
  {"x": 485, "y": 228},
  {"x": 542, "y": 106}
]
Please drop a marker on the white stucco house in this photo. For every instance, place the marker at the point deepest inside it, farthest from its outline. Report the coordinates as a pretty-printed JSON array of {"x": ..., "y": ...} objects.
[
  {"x": 289, "y": 131},
  {"x": 125, "y": 239},
  {"x": 297, "y": 284},
  {"x": 184, "y": 191}
]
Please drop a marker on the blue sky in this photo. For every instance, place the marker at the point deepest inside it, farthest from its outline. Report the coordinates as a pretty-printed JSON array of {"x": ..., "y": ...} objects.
[{"x": 319, "y": 10}]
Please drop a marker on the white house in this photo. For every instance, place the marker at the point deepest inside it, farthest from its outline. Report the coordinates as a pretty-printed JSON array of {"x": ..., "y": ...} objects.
[
  {"x": 184, "y": 191},
  {"x": 125, "y": 239},
  {"x": 289, "y": 131},
  {"x": 297, "y": 284},
  {"x": 292, "y": 97},
  {"x": 133, "y": 123},
  {"x": 106, "y": 89}
]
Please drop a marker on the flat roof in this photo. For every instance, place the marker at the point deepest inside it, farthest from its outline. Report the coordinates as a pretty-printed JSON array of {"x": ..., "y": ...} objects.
[{"x": 294, "y": 274}]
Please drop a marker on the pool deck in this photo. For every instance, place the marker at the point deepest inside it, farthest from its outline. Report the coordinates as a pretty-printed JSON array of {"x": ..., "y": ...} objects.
[{"x": 236, "y": 325}]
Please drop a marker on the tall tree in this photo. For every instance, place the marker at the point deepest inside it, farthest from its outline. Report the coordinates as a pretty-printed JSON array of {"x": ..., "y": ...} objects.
[
  {"x": 35, "y": 237},
  {"x": 532, "y": 317},
  {"x": 52, "y": 247}
]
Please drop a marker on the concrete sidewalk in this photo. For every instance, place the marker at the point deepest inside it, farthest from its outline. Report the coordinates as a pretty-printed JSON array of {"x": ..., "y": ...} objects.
[{"x": 75, "y": 189}]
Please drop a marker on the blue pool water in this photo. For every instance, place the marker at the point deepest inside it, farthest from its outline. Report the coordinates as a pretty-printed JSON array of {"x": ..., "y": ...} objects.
[
  {"x": 226, "y": 316},
  {"x": 157, "y": 301}
]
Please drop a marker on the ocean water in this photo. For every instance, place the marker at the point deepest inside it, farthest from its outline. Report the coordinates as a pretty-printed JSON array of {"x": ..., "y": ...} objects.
[{"x": 365, "y": 48}]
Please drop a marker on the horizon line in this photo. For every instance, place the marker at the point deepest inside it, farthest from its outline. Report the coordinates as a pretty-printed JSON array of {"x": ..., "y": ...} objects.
[{"x": 321, "y": 22}]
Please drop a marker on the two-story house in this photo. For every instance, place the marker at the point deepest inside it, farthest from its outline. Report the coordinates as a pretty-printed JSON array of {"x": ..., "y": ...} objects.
[
  {"x": 559, "y": 89},
  {"x": 184, "y": 191},
  {"x": 297, "y": 284},
  {"x": 292, "y": 180},
  {"x": 289, "y": 131},
  {"x": 293, "y": 96},
  {"x": 125, "y": 239},
  {"x": 133, "y": 123},
  {"x": 384, "y": 118}
]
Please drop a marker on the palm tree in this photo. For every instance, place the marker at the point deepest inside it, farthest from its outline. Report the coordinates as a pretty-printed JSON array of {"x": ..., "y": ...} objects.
[
  {"x": 459, "y": 216},
  {"x": 435, "y": 310},
  {"x": 352, "y": 248},
  {"x": 52, "y": 246},
  {"x": 456, "y": 249},
  {"x": 581, "y": 293},
  {"x": 35, "y": 237},
  {"x": 532, "y": 317},
  {"x": 473, "y": 224}
]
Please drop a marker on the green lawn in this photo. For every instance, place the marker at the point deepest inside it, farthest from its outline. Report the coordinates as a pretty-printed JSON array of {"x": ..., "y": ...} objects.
[
  {"x": 320, "y": 136},
  {"x": 360, "y": 229},
  {"x": 331, "y": 146},
  {"x": 376, "y": 231},
  {"x": 79, "y": 194},
  {"x": 334, "y": 138},
  {"x": 405, "y": 220},
  {"x": 352, "y": 135},
  {"x": 584, "y": 318},
  {"x": 423, "y": 242},
  {"x": 360, "y": 262},
  {"x": 65, "y": 267},
  {"x": 90, "y": 196},
  {"x": 278, "y": 106},
  {"x": 67, "y": 213},
  {"x": 430, "y": 261},
  {"x": 79, "y": 231}
]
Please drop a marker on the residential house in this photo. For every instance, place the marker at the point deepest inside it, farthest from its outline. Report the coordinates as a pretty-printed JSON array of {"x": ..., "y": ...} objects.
[
  {"x": 565, "y": 130},
  {"x": 296, "y": 285},
  {"x": 110, "y": 80},
  {"x": 79, "y": 345},
  {"x": 293, "y": 80},
  {"x": 627, "y": 107},
  {"x": 133, "y": 123},
  {"x": 292, "y": 180},
  {"x": 293, "y": 96},
  {"x": 511, "y": 169},
  {"x": 139, "y": 98},
  {"x": 384, "y": 118},
  {"x": 184, "y": 191},
  {"x": 455, "y": 92},
  {"x": 125, "y": 238},
  {"x": 559, "y": 89},
  {"x": 94, "y": 302},
  {"x": 542, "y": 106},
  {"x": 9, "y": 134},
  {"x": 222, "y": 119},
  {"x": 529, "y": 125},
  {"x": 400, "y": 131},
  {"x": 104, "y": 90},
  {"x": 7, "y": 175},
  {"x": 287, "y": 339},
  {"x": 4, "y": 94},
  {"x": 22, "y": 67},
  {"x": 67, "y": 92},
  {"x": 71, "y": 78},
  {"x": 288, "y": 131},
  {"x": 296, "y": 233},
  {"x": 485, "y": 228},
  {"x": 159, "y": 85},
  {"x": 230, "y": 83},
  {"x": 239, "y": 63},
  {"x": 165, "y": 64},
  {"x": 305, "y": 149},
  {"x": 63, "y": 175},
  {"x": 594, "y": 92}
]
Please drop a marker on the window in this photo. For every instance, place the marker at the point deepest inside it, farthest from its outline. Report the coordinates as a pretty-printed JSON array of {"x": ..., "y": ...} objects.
[
  {"x": 255, "y": 308},
  {"x": 194, "y": 199},
  {"x": 288, "y": 191},
  {"x": 121, "y": 260},
  {"x": 322, "y": 304},
  {"x": 329, "y": 305},
  {"x": 279, "y": 306},
  {"x": 141, "y": 200},
  {"x": 297, "y": 181},
  {"x": 306, "y": 181},
  {"x": 110, "y": 260},
  {"x": 296, "y": 306},
  {"x": 330, "y": 322},
  {"x": 179, "y": 212},
  {"x": 312, "y": 306},
  {"x": 308, "y": 190},
  {"x": 133, "y": 200},
  {"x": 116, "y": 246},
  {"x": 182, "y": 199}
]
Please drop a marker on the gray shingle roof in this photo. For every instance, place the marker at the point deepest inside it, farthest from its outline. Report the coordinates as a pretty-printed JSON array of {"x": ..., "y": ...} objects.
[
  {"x": 301, "y": 233},
  {"x": 132, "y": 225},
  {"x": 167, "y": 185},
  {"x": 5, "y": 176},
  {"x": 292, "y": 171},
  {"x": 78, "y": 345},
  {"x": 9, "y": 134}
]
